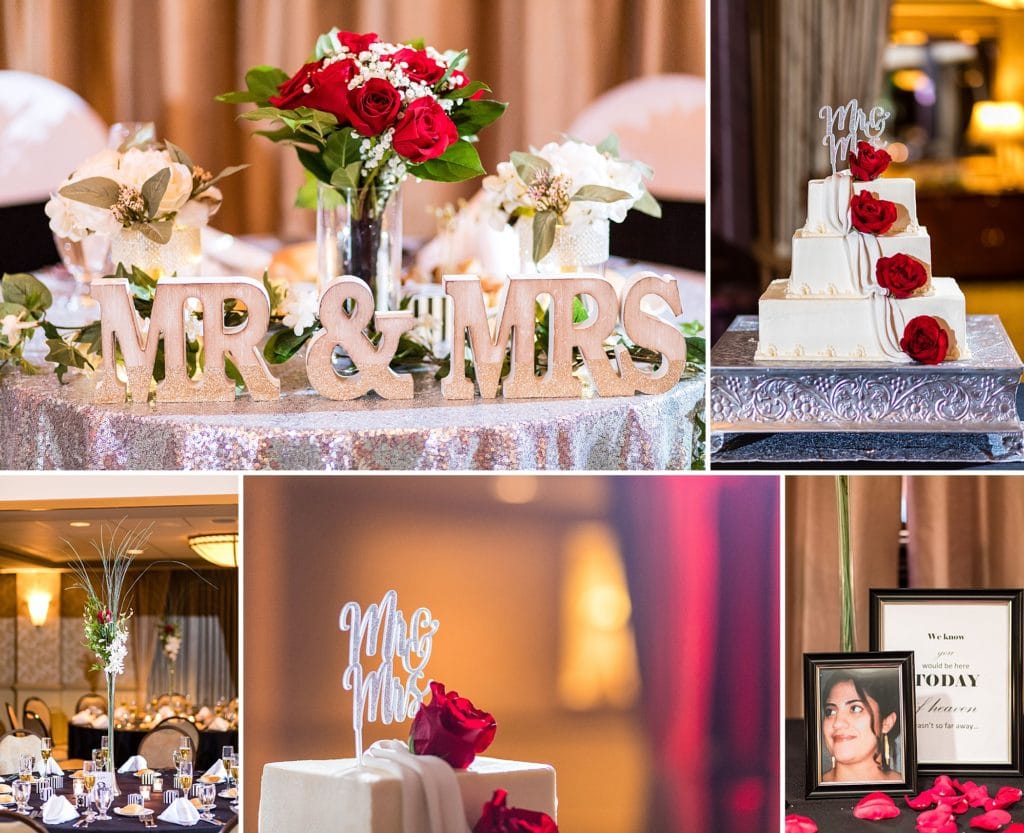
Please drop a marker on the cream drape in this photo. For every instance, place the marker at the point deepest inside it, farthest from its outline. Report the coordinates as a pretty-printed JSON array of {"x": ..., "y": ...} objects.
[
  {"x": 806, "y": 53},
  {"x": 963, "y": 532},
  {"x": 165, "y": 60}
]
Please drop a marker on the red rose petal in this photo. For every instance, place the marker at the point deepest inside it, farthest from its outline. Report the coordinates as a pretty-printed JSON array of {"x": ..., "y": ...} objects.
[
  {"x": 876, "y": 806},
  {"x": 992, "y": 820},
  {"x": 800, "y": 824},
  {"x": 921, "y": 801},
  {"x": 956, "y": 803},
  {"x": 944, "y": 785},
  {"x": 1005, "y": 798},
  {"x": 975, "y": 794},
  {"x": 934, "y": 820},
  {"x": 1015, "y": 828}
]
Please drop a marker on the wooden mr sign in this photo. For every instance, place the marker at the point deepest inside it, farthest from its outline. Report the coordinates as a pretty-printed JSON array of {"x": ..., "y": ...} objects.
[{"x": 346, "y": 309}]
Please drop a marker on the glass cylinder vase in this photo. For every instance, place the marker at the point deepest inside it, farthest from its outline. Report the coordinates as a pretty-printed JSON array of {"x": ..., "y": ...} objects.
[
  {"x": 181, "y": 255},
  {"x": 359, "y": 233},
  {"x": 578, "y": 247}
]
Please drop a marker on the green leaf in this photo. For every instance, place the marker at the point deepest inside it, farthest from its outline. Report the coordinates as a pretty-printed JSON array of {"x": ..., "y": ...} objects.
[
  {"x": 544, "y": 225},
  {"x": 648, "y": 205},
  {"x": 27, "y": 290},
  {"x": 528, "y": 166},
  {"x": 314, "y": 163},
  {"x": 276, "y": 298},
  {"x": 65, "y": 356},
  {"x": 454, "y": 64},
  {"x": 94, "y": 190},
  {"x": 579, "y": 311},
  {"x": 261, "y": 83},
  {"x": 691, "y": 328},
  {"x": 459, "y": 162},
  {"x": 284, "y": 344},
  {"x": 347, "y": 177},
  {"x": 7, "y": 308},
  {"x": 90, "y": 337},
  {"x": 153, "y": 190},
  {"x": 178, "y": 155},
  {"x": 600, "y": 193},
  {"x": 342, "y": 149},
  {"x": 326, "y": 44},
  {"x": 416, "y": 43},
  {"x": 696, "y": 352},
  {"x": 610, "y": 145},
  {"x": 159, "y": 232},
  {"x": 465, "y": 92},
  {"x": 473, "y": 116},
  {"x": 228, "y": 171}
]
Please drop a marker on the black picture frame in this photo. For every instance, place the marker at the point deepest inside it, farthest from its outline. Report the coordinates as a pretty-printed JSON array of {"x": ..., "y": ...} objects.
[
  {"x": 946, "y": 601},
  {"x": 873, "y": 675}
]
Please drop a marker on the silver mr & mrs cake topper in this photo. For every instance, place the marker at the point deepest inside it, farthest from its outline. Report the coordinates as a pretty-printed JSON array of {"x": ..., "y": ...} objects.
[
  {"x": 851, "y": 119},
  {"x": 381, "y": 690}
]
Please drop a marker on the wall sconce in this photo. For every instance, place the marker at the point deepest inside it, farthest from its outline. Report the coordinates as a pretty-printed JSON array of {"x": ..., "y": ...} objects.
[{"x": 38, "y": 606}]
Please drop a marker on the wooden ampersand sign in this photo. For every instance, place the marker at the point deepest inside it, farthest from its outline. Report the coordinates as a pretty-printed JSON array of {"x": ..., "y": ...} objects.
[{"x": 123, "y": 326}]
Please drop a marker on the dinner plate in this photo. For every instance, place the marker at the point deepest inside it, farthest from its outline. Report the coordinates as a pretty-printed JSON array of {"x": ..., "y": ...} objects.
[
  {"x": 146, "y": 811},
  {"x": 211, "y": 779}
]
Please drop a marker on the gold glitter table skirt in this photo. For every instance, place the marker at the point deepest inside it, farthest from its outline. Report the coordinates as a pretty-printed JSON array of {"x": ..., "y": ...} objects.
[{"x": 44, "y": 425}]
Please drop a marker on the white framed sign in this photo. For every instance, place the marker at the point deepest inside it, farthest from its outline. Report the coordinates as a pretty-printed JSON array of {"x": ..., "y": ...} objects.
[{"x": 967, "y": 659}]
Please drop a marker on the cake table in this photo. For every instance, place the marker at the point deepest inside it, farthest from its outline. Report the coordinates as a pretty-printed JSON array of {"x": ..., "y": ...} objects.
[{"x": 961, "y": 411}]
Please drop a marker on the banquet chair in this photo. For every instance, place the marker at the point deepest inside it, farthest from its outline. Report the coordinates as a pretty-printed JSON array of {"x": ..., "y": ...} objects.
[
  {"x": 46, "y": 131},
  {"x": 12, "y": 822},
  {"x": 92, "y": 699},
  {"x": 16, "y": 743},
  {"x": 33, "y": 723},
  {"x": 185, "y": 725},
  {"x": 659, "y": 120},
  {"x": 157, "y": 746},
  {"x": 12, "y": 717},
  {"x": 42, "y": 711}
]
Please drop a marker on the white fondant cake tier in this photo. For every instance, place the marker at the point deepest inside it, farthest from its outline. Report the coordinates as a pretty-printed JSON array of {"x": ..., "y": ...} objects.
[
  {"x": 836, "y": 265},
  {"x": 901, "y": 191},
  {"x": 853, "y": 329},
  {"x": 341, "y": 797}
]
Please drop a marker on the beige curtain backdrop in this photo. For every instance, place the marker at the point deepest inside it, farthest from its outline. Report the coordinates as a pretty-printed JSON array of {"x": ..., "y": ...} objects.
[
  {"x": 806, "y": 53},
  {"x": 165, "y": 60},
  {"x": 963, "y": 532}
]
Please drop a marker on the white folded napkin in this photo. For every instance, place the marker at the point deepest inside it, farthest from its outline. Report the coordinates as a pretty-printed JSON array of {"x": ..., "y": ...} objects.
[
  {"x": 181, "y": 811},
  {"x": 217, "y": 769},
  {"x": 83, "y": 718},
  {"x": 164, "y": 712},
  {"x": 218, "y": 724},
  {"x": 133, "y": 764},
  {"x": 204, "y": 714},
  {"x": 58, "y": 810},
  {"x": 52, "y": 767},
  {"x": 101, "y": 722}
]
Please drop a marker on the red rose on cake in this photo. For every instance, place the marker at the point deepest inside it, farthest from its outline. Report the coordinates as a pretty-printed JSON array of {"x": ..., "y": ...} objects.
[
  {"x": 871, "y": 215},
  {"x": 900, "y": 274},
  {"x": 425, "y": 131},
  {"x": 925, "y": 340},
  {"x": 451, "y": 727},
  {"x": 498, "y": 818},
  {"x": 868, "y": 162}
]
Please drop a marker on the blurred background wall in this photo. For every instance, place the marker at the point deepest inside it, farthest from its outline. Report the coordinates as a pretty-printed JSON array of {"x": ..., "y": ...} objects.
[
  {"x": 623, "y": 629},
  {"x": 165, "y": 60}
]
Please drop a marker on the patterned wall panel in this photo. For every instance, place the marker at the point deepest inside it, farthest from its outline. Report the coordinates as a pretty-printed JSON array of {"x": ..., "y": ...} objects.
[
  {"x": 8, "y": 606},
  {"x": 38, "y": 647}
]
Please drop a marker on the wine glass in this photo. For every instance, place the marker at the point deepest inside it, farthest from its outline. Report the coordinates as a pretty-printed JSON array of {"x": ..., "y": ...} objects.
[
  {"x": 104, "y": 795},
  {"x": 22, "y": 793},
  {"x": 208, "y": 796},
  {"x": 185, "y": 776}
]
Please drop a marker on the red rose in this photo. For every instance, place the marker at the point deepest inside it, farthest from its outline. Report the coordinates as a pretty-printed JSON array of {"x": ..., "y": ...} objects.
[
  {"x": 357, "y": 43},
  {"x": 800, "y": 824},
  {"x": 104, "y": 616},
  {"x": 373, "y": 106},
  {"x": 497, "y": 818},
  {"x": 900, "y": 274},
  {"x": 451, "y": 727},
  {"x": 460, "y": 80},
  {"x": 924, "y": 340},
  {"x": 869, "y": 162},
  {"x": 876, "y": 806},
  {"x": 419, "y": 65},
  {"x": 872, "y": 216},
  {"x": 425, "y": 131},
  {"x": 328, "y": 89}
]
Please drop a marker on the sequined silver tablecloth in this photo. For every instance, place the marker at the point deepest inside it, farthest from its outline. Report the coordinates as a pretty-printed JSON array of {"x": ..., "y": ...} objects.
[{"x": 44, "y": 425}]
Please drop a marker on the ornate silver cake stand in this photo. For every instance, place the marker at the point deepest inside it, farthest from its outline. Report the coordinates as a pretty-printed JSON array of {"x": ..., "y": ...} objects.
[{"x": 961, "y": 411}]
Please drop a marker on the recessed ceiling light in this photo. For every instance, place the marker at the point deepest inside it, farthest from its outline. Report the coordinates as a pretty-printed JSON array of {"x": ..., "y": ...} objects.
[
  {"x": 134, "y": 552},
  {"x": 80, "y": 523}
]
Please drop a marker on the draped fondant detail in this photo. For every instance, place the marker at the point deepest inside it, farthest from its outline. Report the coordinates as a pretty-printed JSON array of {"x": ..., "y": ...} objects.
[{"x": 838, "y": 194}]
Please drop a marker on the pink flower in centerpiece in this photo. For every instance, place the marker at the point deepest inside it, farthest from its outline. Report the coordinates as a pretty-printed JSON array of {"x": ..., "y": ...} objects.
[
  {"x": 876, "y": 806},
  {"x": 104, "y": 616}
]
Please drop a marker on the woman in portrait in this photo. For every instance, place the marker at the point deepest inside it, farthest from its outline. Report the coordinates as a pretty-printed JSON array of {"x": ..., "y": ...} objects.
[{"x": 860, "y": 722}]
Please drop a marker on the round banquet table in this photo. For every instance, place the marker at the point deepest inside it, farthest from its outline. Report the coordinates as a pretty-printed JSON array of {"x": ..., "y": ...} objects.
[
  {"x": 129, "y": 784},
  {"x": 83, "y": 739},
  {"x": 46, "y": 425}
]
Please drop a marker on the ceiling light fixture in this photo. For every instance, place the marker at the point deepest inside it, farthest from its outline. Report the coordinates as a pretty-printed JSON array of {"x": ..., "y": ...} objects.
[
  {"x": 219, "y": 548},
  {"x": 80, "y": 524}
]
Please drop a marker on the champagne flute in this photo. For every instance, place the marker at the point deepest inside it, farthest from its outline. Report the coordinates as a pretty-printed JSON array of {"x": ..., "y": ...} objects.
[
  {"x": 89, "y": 775},
  {"x": 45, "y": 752},
  {"x": 234, "y": 777},
  {"x": 185, "y": 776},
  {"x": 226, "y": 754},
  {"x": 186, "y": 750}
]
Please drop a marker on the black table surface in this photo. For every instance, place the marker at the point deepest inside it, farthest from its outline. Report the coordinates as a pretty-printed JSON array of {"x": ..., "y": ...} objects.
[
  {"x": 83, "y": 739},
  {"x": 835, "y": 815},
  {"x": 128, "y": 784}
]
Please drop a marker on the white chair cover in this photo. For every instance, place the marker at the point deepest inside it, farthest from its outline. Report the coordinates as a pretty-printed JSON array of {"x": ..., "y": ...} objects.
[{"x": 12, "y": 747}]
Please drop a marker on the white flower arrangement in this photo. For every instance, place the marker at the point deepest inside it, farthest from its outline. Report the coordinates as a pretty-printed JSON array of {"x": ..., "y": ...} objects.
[
  {"x": 564, "y": 184},
  {"x": 150, "y": 189},
  {"x": 116, "y": 651}
]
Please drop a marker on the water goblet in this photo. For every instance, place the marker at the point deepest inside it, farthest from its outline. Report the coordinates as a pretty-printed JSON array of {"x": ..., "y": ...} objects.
[
  {"x": 22, "y": 793},
  {"x": 145, "y": 791},
  {"x": 208, "y": 797},
  {"x": 104, "y": 795}
]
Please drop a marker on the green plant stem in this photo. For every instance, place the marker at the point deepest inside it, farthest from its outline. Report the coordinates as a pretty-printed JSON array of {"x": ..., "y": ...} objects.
[{"x": 847, "y": 620}]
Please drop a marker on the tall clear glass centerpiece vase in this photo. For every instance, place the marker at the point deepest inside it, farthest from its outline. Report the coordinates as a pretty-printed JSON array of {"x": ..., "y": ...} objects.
[
  {"x": 110, "y": 731},
  {"x": 359, "y": 232}
]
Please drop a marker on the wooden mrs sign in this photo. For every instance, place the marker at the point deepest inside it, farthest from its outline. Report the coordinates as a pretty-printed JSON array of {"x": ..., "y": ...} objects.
[{"x": 515, "y": 325}]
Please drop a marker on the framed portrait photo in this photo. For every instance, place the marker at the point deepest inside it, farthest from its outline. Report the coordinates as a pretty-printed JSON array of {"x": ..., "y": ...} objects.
[
  {"x": 859, "y": 723},
  {"x": 967, "y": 650}
]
